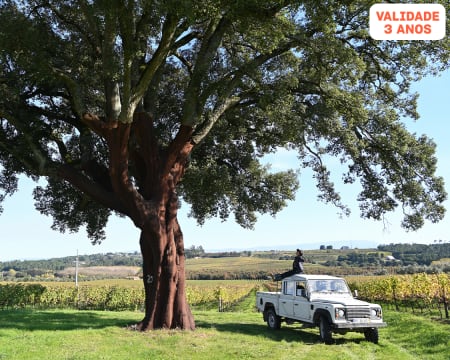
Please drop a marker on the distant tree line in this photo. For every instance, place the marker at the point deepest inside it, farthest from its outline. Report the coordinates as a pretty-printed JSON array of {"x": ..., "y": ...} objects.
[
  {"x": 418, "y": 254},
  {"x": 58, "y": 264},
  {"x": 409, "y": 259},
  {"x": 354, "y": 258},
  {"x": 24, "y": 269},
  {"x": 194, "y": 252},
  {"x": 198, "y": 252}
]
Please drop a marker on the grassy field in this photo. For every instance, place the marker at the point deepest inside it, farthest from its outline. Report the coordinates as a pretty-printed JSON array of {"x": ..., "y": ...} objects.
[
  {"x": 230, "y": 264},
  {"x": 112, "y": 271},
  {"x": 70, "y": 334}
]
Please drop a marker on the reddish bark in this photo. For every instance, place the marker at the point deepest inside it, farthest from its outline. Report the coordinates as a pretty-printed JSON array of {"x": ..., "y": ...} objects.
[
  {"x": 164, "y": 280},
  {"x": 153, "y": 208}
]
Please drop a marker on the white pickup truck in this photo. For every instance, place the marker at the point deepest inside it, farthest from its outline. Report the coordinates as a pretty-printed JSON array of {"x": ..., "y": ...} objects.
[{"x": 323, "y": 301}]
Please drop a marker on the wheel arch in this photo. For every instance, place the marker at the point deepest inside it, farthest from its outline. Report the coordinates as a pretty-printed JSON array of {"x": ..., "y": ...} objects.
[
  {"x": 321, "y": 312},
  {"x": 268, "y": 306}
]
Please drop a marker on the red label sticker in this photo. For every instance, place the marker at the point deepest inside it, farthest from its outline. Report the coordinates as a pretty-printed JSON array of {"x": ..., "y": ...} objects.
[{"x": 407, "y": 21}]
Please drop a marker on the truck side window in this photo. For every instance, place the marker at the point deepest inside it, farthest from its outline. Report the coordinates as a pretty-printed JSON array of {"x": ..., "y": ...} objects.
[{"x": 289, "y": 287}]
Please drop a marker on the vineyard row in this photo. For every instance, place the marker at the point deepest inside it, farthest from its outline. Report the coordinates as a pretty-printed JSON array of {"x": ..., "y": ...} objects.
[
  {"x": 113, "y": 298},
  {"x": 418, "y": 292}
]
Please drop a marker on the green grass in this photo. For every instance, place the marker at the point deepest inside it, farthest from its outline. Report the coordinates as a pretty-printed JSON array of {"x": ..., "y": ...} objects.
[{"x": 70, "y": 334}]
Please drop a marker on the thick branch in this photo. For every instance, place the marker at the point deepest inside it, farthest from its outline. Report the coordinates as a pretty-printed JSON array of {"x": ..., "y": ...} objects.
[
  {"x": 138, "y": 92},
  {"x": 145, "y": 154},
  {"x": 98, "y": 125},
  {"x": 186, "y": 39},
  {"x": 113, "y": 104},
  {"x": 93, "y": 190},
  {"x": 203, "y": 130},
  {"x": 74, "y": 90},
  {"x": 211, "y": 42},
  {"x": 118, "y": 143},
  {"x": 179, "y": 149},
  {"x": 228, "y": 85}
]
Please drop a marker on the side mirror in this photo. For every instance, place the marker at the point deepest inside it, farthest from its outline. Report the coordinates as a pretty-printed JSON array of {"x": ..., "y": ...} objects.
[{"x": 355, "y": 293}]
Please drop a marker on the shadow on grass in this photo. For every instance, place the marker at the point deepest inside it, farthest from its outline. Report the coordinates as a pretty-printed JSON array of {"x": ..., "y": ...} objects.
[
  {"x": 287, "y": 333},
  {"x": 60, "y": 320},
  {"x": 65, "y": 320}
]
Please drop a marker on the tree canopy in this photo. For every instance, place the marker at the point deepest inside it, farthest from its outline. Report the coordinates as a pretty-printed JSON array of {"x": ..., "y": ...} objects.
[{"x": 238, "y": 79}]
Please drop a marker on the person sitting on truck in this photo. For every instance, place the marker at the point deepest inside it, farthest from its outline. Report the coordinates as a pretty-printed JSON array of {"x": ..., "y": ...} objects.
[{"x": 297, "y": 267}]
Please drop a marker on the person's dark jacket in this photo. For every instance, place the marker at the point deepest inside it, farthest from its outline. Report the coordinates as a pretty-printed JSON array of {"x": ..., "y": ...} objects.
[{"x": 297, "y": 265}]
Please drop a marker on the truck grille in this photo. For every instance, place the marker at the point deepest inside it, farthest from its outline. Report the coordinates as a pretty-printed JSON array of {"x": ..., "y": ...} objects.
[{"x": 358, "y": 313}]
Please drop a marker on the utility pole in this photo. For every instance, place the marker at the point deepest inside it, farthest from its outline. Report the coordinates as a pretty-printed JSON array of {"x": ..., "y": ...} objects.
[
  {"x": 77, "y": 264},
  {"x": 76, "y": 270}
]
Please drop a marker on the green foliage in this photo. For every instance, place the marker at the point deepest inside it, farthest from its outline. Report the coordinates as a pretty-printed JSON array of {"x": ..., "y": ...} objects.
[
  {"x": 69, "y": 207},
  {"x": 248, "y": 77}
]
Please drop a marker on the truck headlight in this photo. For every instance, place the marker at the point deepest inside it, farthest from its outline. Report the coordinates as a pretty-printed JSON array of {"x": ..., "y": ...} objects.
[
  {"x": 375, "y": 313},
  {"x": 339, "y": 314}
]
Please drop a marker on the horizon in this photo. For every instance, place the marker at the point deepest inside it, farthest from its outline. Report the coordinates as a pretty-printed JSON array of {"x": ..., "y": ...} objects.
[{"x": 337, "y": 245}]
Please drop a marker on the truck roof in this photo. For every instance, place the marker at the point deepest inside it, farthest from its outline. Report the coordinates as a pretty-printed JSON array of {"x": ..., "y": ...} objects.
[{"x": 299, "y": 277}]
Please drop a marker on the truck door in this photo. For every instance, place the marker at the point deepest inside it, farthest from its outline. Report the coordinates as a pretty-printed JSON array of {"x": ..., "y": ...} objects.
[
  {"x": 301, "y": 305},
  {"x": 286, "y": 302}
]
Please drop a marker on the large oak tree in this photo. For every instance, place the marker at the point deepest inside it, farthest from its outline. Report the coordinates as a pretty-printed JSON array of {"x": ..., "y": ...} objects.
[{"x": 129, "y": 107}]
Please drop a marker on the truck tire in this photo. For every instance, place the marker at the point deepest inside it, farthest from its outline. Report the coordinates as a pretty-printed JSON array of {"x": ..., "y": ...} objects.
[
  {"x": 371, "y": 335},
  {"x": 273, "y": 320},
  {"x": 325, "y": 330}
]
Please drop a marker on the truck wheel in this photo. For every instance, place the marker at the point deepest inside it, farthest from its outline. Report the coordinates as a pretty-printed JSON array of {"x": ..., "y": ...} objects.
[
  {"x": 273, "y": 320},
  {"x": 371, "y": 335},
  {"x": 325, "y": 330}
]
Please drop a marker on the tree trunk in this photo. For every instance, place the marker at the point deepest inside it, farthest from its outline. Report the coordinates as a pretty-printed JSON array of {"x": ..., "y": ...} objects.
[
  {"x": 144, "y": 177},
  {"x": 161, "y": 241},
  {"x": 163, "y": 257}
]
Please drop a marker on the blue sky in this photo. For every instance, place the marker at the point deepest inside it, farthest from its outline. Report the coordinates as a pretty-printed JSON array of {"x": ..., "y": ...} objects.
[{"x": 305, "y": 223}]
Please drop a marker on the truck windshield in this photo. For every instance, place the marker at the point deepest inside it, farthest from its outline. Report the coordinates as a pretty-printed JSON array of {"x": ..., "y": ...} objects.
[{"x": 330, "y": 286}]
